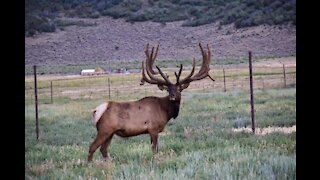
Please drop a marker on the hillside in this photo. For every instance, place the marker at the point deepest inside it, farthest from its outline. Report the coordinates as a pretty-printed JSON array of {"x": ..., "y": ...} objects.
[
  {"x": 110, "y": 40},
  {"x": 44, "y": 15}
]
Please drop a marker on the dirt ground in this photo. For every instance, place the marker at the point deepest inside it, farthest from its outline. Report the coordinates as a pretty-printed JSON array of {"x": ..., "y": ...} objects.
[{"x": 113, "y": 40}]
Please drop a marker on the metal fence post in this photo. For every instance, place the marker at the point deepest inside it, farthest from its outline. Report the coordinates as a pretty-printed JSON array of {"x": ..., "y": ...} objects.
[
  {"x": 224, "y": 81},
  {"x": 36, "y": 100},
  {"x": 284, "y": 75},
  {"x": 251, "y": 95},
  {"x": 109, "y": 88},
  {"x": 51, "y": 91}
]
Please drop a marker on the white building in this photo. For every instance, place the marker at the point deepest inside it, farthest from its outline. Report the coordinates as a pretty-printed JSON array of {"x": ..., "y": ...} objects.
[{"x": 87, "y": 72}]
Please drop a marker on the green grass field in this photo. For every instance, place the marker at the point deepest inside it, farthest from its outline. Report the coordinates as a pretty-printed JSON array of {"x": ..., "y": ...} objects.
[{"x": 199, "y": 144}]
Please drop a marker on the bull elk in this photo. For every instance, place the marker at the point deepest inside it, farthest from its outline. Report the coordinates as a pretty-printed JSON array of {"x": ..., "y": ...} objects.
[{"x": 148, "y": 115}]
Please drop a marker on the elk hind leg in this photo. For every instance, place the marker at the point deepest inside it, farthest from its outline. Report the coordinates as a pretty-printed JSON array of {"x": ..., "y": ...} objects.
[
  {"x": 104, "y": 147},
  {"x": 95, "y": 144},
  {"x": 154, "y": 140}
]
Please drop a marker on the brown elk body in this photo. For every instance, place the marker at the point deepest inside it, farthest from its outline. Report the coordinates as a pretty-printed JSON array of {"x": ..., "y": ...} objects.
[{"x": 148, "y": 115}]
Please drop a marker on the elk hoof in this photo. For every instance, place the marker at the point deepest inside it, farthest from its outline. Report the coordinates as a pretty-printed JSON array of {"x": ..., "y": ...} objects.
[{"x": 89, "y": 159}]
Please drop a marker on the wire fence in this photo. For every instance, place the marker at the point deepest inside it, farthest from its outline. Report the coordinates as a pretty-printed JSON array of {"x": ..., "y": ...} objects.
[{"x": 126, "y": 86}]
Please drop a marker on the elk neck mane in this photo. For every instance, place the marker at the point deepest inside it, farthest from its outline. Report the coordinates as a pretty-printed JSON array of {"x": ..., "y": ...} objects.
[{"x": 171, "y": 107}]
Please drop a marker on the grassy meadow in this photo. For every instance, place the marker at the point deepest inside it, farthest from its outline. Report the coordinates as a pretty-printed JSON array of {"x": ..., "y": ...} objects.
[{"x": 199, "y": 144}]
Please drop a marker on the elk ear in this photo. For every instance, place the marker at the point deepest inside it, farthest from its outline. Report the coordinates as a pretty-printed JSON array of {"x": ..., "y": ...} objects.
[{"x": 162, "y": 87}]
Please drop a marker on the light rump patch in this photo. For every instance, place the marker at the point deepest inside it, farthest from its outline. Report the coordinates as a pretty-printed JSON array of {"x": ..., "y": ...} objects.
[{"x": 98, "y": 111}]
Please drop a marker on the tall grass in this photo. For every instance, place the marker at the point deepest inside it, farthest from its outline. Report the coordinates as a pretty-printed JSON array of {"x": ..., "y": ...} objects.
[{"x": 199, "y": 144}]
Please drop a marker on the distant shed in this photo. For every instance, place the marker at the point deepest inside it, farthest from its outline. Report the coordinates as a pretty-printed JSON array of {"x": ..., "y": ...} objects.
[{"x": 87, "y": 72}]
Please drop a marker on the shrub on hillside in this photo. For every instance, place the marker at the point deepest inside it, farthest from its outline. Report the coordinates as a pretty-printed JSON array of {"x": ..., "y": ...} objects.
[
  {"x": 196, "y": 12},
  {"x": 35, "y": 23},
  {"x": 144, "y": 16},
  {"x": 47, "y": 27},
  {"x": 94, "y": 15}
]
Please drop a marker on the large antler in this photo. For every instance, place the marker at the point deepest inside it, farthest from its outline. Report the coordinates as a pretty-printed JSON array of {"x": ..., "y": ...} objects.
[
  {"x": 203, "y": 72},
  {"x": 150, "y": 59}
]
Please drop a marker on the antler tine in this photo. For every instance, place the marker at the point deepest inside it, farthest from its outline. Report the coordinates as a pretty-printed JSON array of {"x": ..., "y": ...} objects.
[
  {"x": 144, "y": 77},
  {"x": 155, "y": 56},
  {"x": 147, "y": 50},
  {"x": 191, "y": 73},
  {"x": 149, "y": 62},
  {"x": 209, "y": 53},
  {"x": 178, "y": 75},
  {"x": 209, "y": 60},
  {"x": 204, "y": 70},
  {"x": 204, "y": 54},
  {"x": 206, "y": 62},
  {"x": 164, "y": 76}
]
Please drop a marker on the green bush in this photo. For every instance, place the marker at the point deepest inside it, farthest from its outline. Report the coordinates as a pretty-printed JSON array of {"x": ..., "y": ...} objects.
[
  {"x": 34, "y": 23},
  {"x": 94, "y": 15},
  {"x": 140, "y": 16},
  {"x": 116, "y": 12},
  {"x": 47, "y": 27}
]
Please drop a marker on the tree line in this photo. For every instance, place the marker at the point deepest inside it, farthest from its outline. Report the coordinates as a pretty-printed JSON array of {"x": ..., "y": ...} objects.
[{"x": 47, "y": 15}]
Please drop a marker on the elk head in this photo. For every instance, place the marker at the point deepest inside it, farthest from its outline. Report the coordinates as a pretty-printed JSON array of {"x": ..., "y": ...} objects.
[{"x": 174, "y": 89}]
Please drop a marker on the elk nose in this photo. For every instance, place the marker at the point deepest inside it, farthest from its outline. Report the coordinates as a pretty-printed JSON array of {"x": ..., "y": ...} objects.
[{"x": 172, "y": 98}]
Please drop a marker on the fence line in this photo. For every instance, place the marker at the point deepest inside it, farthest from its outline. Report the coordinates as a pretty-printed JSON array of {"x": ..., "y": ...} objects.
[{"x": 119, "y": 86}]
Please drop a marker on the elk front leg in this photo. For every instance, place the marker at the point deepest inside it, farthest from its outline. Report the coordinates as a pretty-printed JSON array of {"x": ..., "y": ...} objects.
[
  {"x": 154, "y": 141},
  {"x": 95, "y": 144},
  {"x": 104, "y": 147}
]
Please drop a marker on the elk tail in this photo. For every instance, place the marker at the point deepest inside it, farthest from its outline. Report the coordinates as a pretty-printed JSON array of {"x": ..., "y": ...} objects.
[{"x": 98, "y": 112}]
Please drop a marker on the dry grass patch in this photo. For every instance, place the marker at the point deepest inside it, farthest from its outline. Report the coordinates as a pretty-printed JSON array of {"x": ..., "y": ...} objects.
[
  {"x": 42, "y": 168},
  {"x": 267, "y": 130}
]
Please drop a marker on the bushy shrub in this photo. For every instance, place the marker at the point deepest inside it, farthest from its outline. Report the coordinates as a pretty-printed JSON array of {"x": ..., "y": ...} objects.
[
  {"x": 94, "y": 15},
  {"x": 140, "y": 17},
  {"x": 30, "y": 32},
  {"x": 47, "y": 27},
  {"x": 132, "y": 5},
  {"x": 118, "y": 11},
  {"x": 197, "y": 22},
  {"x": 35, "y": 23}
]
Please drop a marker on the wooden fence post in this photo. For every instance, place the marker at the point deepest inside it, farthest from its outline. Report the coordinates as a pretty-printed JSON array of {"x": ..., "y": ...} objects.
[
  {"x": 109, "y": 88},
  {"x": 117, "y": 91},
  {"x": 284, "y": 75},
  {"x": 36, "y": 100},
  {"x": 51, "y": 92},
  {"x": 251, "y": 95},
  {"x": 224, "y": 81}
]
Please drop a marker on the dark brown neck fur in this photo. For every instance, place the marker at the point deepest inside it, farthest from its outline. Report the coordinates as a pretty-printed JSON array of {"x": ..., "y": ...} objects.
[{"x": 171, "y": 107}]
